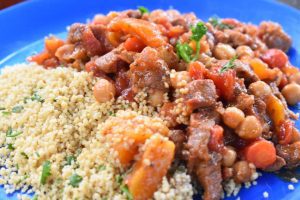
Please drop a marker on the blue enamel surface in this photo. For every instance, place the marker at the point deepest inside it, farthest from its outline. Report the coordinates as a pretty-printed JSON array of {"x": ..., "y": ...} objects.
[{"x": 23, "y": 27}]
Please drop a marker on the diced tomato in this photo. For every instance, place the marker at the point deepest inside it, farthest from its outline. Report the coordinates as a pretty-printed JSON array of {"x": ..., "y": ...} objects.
[
  {"x": 261, "y": 153},
  {"x": 216, "y": 141},
  {"x": 224, "y": 82},
  {"x": 134, "y": 44},
  {"x": 175, "y": 31},
  {"x": 146, "y": 31},
  {"x": 196, "y": 70},
  {"x": 275, "y": 58},
  {"x": 52, "y": 44},
  {"x": 285, "y": 132},
  {"x": 283, "y": 82},
  {"x": 39, "y": 58}
]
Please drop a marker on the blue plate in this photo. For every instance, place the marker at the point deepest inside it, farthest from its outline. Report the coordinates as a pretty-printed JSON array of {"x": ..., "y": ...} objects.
[{"x": 23, "y": 27}]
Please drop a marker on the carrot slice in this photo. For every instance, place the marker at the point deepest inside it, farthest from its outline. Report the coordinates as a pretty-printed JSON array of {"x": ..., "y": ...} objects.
[
  {"x": 262, "y": 70},
  {"x": 52, "y": 44},
  {"x": 147, "y": 32},
  {"x": 275, "y": 110},
  {"x": 149, "y": 171},
  {"x": 134, "y": 44},
  {"x": 261, "y": 153}
]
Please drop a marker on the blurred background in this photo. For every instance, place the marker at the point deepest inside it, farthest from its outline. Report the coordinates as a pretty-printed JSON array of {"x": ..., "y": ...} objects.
[{"x": 7, "y": 3}]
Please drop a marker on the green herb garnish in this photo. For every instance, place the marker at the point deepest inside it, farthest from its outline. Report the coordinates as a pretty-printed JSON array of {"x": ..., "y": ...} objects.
[
  {"x": 143, "y": 10},
  {"x": 75, "y": 179},
  {"x": 126, "y": 191},
  {"x": 6, "y": 113},
  {"x": 35, "y": 197},
  {"x": 229, "y": 65},
  {"x": 70, "y": 160},
  {"x": 101, "y": 167},
  {"x": 12, "y": 133},
  {"x": 216, "y": 22},
  {"x": 17, "y": 109},
  {"x": 184, "y": 51},
  {"x": 34, "y": 97},
  {"x": 46, "y": 172},
  {"x": 10, "y": 147},
  {"x": 119, "y": 179},
  {"x": 25, "y": 155}
]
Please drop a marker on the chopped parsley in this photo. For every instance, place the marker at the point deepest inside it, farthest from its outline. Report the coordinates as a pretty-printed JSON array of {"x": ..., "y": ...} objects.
[
  {"x": 216, "y": 22},
  {"x": 143, "y": 10},
  {"x": 10, "y": 147},
  {"x": 12, "y": 133},
  {"x": 17, "y": 109},
  {"x": 25, "y": 155},
  {"x": 184, "y": 51},
  {"x": 75, "y": 179},
  {"x": 6, "y": 113},
  {"x": 35, "y": 197},
  {"x": 229, "y": 65},
  {"x": 70, "y": 160},
  {"x": 101, "y": 167},
  {"x": 46, "y": 172},
  {"x": 124, "y": 189},
  {"x": 34, "y": 97}
]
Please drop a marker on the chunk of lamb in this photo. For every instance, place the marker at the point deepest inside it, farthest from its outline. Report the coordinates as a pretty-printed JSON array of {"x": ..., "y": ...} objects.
[
  {"x": 274, "y": 36},
  {"x": 290, "y": 153},
  {"x": 151, "y": 72},
  {"x": 201, "y": 93},
  {"x": 82, "y": 34},
  {"x": 206, "y": 165},
  {"x": 243, "y": 70}
]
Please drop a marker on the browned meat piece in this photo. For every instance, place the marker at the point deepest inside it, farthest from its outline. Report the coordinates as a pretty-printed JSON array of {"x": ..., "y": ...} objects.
[
  {"x": 179, "y": 138},
  {"x": 210, "y": 177},
  {"x": 122, "y": 81},
  {"x": 290, "y": 153},
  {"x": 273, "y": 35},
  {"x": 244, "y": 101},
  {"x": 243, "y": 70},
  {"x": 108, "y": 63},
  {"x": 82, "y": 34},
  {"x": 237, "y": 38},
  {"x": 206, "y": 165},
  {"x": 149, "y": 70},
  {"x": 277, "y": 165},
  {"x": 168, "y": 55},
  {"x": 201, "y": 93},
  {"x": 100, "y": 32},
  {"x": 133, "y": 13}
]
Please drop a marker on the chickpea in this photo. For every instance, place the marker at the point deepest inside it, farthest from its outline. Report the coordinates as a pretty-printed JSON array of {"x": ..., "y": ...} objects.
[
  {"x": 104, "y": 90},
  {"x": 250, "y": 128},
  {"x": 229, "y": 156},
  {"x": 244, "y": 51},
  {"x": 179, "y": 79},
  {"x": 156, "y": 98},
  {"x": 295, "y": 78},
  {"x": 291, "y": 92},
  {"x": 242, "y": 172},
  {"x": 224, "y": 51},
  {"x": 233, "y": 116},
  {"x": 260, "y": 89}
]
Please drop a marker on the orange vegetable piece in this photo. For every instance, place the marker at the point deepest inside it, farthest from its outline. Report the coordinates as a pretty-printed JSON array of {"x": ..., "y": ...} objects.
[
  {"x": 216, "y": 142},
  {"x": 149, "y": 171},
  {"x": 125, "y": 149},
  {"x": 275, "y": 58},
  {"x": 196, "y": 70},
  {"x": 175, "y": 31},
  {"x": 290, "y": 70},
  {"x": 261, "y": 153},
  {"x": 39, "y": 58},
  {"x": 285, "y": 132},
  {"x": 275, "y": 110},
  {"x": 146, "y": 31},
  {"x": 52, "y": 44},
  {"x": 262, "y": 70},
  {"x": 134, "y": 44}
]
